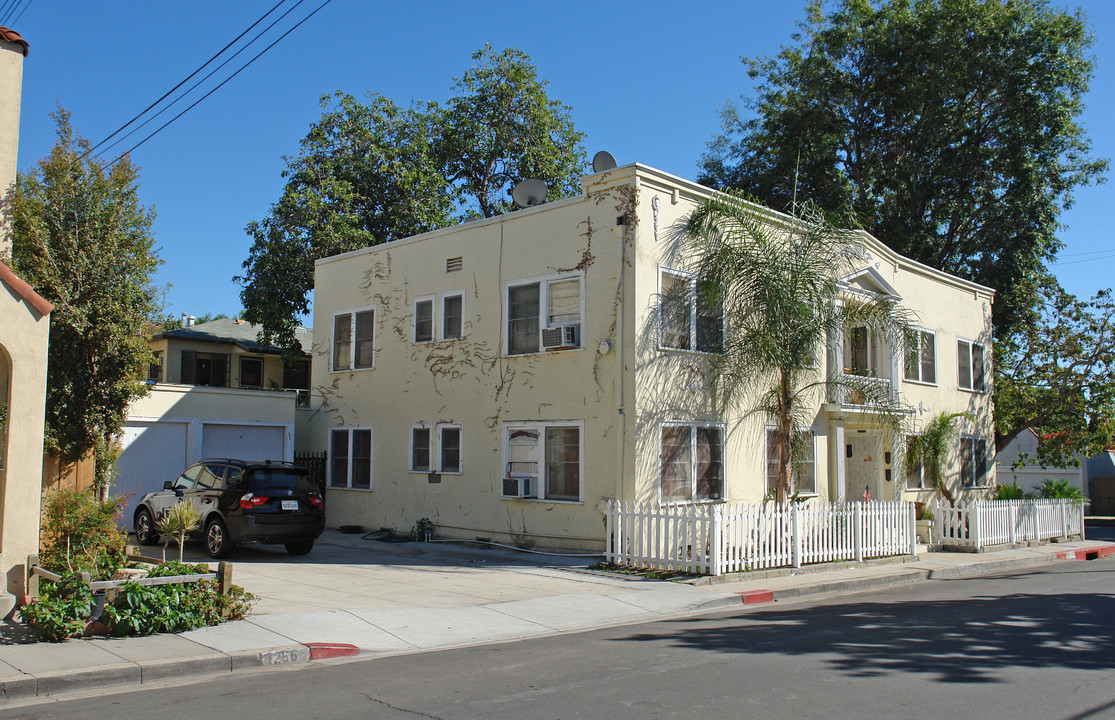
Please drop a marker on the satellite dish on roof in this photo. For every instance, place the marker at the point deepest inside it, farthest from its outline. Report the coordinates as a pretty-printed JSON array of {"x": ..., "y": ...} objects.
[
  {"x": 529, "y": 192},
  {"x": 603, "y": 161}
]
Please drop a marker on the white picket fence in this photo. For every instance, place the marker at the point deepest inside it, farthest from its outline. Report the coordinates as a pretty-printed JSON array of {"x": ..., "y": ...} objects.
[
  {"x": 720, "y": 538},
  {"x": 1006, "y": 522}
]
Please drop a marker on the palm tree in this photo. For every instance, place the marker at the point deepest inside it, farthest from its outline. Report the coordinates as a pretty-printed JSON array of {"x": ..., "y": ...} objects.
[
  {"x": 778, "y": 281},
  {"x": 930, "y": 451}
]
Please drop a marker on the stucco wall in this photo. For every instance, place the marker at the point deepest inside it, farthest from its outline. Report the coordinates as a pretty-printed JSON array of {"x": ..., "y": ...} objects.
[
  {"x": 11, "y": 81},
  {"x": 615, "y": 237},
  {"x": 23, "y": 349}
]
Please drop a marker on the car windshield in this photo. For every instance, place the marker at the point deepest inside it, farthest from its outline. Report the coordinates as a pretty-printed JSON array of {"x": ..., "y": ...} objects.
[{"x": 280, "y": 479}]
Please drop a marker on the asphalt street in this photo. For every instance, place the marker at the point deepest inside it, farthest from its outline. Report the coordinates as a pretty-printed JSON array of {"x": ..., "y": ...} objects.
[{"x": 1038, "y": 644}]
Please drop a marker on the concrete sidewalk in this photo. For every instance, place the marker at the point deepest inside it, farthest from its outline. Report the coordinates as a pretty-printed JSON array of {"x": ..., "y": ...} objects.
[{"x": 355, "y": 597}]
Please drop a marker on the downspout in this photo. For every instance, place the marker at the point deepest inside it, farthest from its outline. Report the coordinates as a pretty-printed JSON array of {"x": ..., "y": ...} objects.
[{"x": 621, "y": 343}]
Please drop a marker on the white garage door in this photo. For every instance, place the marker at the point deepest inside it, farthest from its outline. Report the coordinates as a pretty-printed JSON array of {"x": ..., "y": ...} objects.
[
  {"x": 254, "y": 443},
  {"x": 152, "y": 452}
]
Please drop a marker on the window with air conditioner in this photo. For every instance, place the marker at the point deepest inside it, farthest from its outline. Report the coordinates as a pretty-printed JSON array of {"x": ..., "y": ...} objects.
[
  {"x": 544, "y": 314},
  {"x": 543, "y": 460}
]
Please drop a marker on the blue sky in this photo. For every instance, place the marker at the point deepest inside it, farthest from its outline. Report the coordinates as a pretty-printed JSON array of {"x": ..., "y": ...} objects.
[{"x": 645, "y": 81}]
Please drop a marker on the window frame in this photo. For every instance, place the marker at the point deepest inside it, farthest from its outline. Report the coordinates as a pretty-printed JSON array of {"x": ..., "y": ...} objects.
[
  {"x": 411, "y": 467},
  {"x": 690, "y": 279},
  {"x": 420, "y": 300},
  {"x": 971, "y": 387},
  {"x": 240, "y": 370},
  {"x": 794, "y": 473},
  {"x": 919, "y": 333},
  {"x": 441, "y": 428},
  {"x": 352, "y": 341},
  {"x": 979, "y": 479},
  {"x": 157, "y": 365},
  {"x": 540, "y": 477},
  {"x": 444, "y": 315},
  {"x": 693, "y": 426},
  {"x": 543, "y": 313},
  {"x": 350, "y": 431}
]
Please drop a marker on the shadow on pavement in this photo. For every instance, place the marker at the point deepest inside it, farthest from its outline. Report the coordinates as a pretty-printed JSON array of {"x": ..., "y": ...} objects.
[{"x": 963, "y": 641}]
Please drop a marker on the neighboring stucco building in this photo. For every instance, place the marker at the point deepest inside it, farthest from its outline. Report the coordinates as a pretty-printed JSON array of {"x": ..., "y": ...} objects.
[
  {"x": 24, "y": 332},
  {"x": 504, "y": 376},
  {"x": 1017, "y": 465},
  {"x": 214, "y": 391}
]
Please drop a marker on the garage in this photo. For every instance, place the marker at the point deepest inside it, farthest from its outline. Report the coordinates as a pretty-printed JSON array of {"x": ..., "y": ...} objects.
[
  {"x": 254, "y": 443},
  {"x": 151, "y": 452}
]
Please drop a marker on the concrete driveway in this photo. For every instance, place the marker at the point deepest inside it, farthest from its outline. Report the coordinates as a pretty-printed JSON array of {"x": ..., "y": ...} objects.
[{"x": 349, "y": 572}]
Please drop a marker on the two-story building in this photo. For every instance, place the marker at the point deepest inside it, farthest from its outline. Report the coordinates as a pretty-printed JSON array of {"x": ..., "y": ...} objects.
[
  {"x": 504, "y": 376},
  {"x": 214, "y": 391}
]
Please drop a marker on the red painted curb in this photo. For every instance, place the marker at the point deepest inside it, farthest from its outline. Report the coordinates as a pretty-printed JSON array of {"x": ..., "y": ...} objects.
[
  {"x": 324, "y": 651},
  {"x": 756, "y": 596},
  {"x": 1087, "y": 554}
]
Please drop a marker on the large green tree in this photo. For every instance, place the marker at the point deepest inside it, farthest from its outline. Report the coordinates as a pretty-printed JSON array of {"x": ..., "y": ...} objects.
[
  {"x": 1056, "y": 374},
  {"x": 371, "y": 172},
  {"x": 948, "y": 126},
  {"x": 84, "y": 241},
  {"x": 777, "y": 282}
]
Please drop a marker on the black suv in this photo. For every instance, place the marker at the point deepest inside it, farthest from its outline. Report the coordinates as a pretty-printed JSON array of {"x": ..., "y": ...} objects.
[{"x": 268, "y": 502}]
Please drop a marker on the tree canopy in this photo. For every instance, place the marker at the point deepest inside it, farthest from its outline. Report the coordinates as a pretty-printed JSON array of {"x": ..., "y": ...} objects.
[
  {"x": 948, "y": 126},
  {"x": 1056, "y": 374},
  {"x": 372, "y": 172},
  {"x": 84, "y": 241}
]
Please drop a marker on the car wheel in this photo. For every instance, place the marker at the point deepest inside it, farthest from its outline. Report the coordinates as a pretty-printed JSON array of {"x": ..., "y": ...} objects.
[
  {"x": 300, "y": 547},
  {"x": 217, "y": 542},
  {"x": 145, "y": 528}
]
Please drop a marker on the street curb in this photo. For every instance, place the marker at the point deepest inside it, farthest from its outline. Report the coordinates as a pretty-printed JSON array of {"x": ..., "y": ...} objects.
[
  {"x": 1094, "y": 553},
  {"x": 325, "y": 651}
]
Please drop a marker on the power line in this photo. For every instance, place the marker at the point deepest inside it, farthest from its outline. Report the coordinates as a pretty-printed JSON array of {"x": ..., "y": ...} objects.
[
  {"x": 1109, "y": 254},
  {"x": 199, "y": 82},
  {"x": 230, "y": 77},
  {"x": 17, "y": 17},
  {"x": 187, "y": 79},
  {"x": 6, "y": 12}
]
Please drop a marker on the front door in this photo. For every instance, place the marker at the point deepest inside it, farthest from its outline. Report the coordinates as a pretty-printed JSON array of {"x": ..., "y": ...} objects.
[{"x": 863, "y": 462}]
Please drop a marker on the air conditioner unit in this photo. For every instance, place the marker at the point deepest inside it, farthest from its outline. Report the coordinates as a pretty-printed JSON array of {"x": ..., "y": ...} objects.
[
  {"x": 563, "y": 336},
  {"x": 520, "y": 487}
]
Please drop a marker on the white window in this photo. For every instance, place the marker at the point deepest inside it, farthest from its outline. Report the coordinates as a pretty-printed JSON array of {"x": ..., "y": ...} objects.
[
  {"x": 536, "y": 306},
  {"x": 452, "y": 316},
  {"x": 691, "y": 462},
  {"x": 543, "y": 460},
  {"x": 915, "y": 479},
  {"x": 421, "y": 438},
  {"x": 353, "y": 339},
  {"x": 973, "y": 462},
  {"x": 686, "y": 321},
  {"x": 803, "y": 458},
  {"x": 921, "y": 356},
  {"x": 969, "y": 360},
  {"x": 447, "y": 450},
  {"x": 350, "y": 458},
  {"x": 423, "y": 320},
  {"x": 862, "y": 351}
]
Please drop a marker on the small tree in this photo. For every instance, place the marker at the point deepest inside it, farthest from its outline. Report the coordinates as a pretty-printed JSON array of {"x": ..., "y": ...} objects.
[
  {"x": 930, "y": 451},
  {"x": 777, "y": 280},
  {"x": 84, "y": 241},
  {"x": 178, "y": 522}
]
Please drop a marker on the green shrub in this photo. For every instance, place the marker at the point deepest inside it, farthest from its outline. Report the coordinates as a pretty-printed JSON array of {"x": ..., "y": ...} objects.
[
  {"x": 1059, "y": 490},
  {"x": 61, "y": 610},
  {"x": 147, "y": 609},
  {"x": 1008, "y": 492},
  {"x": 80, "y": 534}
]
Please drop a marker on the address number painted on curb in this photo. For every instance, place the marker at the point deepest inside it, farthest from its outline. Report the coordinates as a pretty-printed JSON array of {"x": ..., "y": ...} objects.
[{"x": 284, "y": 655}]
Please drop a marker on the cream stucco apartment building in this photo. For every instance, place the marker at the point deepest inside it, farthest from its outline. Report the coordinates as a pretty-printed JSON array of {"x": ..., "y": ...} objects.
[{"x": 505, "y": 376}]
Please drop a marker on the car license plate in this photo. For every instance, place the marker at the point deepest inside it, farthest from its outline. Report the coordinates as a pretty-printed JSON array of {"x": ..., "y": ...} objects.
[{"x": 290, "y": 504}]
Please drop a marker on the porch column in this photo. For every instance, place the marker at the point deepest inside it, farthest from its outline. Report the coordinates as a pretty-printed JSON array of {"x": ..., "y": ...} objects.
[{"x": 836, "y": 459}]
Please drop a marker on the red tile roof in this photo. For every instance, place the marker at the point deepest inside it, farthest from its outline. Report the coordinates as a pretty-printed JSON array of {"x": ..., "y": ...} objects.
[
  {"x": 24, "y": 290},
  {"x": 13, "y": 37}
]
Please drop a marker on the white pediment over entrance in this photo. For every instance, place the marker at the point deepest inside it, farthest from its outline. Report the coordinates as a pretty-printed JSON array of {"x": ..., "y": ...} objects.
[{"x": 870, "y": 281}]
